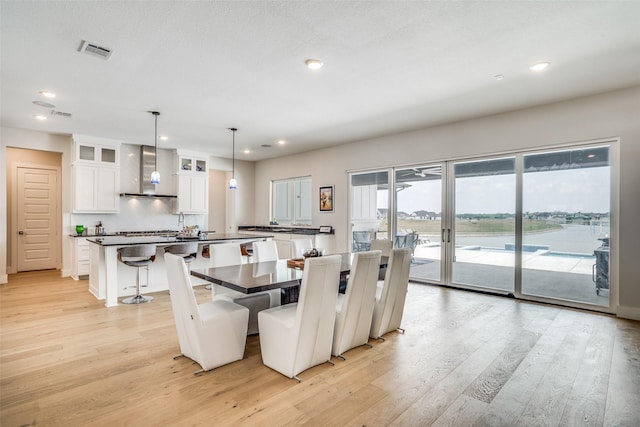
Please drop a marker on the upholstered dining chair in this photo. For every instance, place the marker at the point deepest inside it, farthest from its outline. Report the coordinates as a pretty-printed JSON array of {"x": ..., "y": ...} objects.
[
  {"x": 391, "y": 294},
  {"x": 299, "y": 245},
  {"x": 295, "y": 337},
  {"x": 354, "y": 308},
  {"x": 224, "y": 254},
  {"x": 211, "y": 334},
  {"x": 265, "y": 251}
]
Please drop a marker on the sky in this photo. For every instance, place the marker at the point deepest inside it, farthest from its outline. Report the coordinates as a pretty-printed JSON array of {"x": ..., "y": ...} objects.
[{"x": 572, "y": 190}]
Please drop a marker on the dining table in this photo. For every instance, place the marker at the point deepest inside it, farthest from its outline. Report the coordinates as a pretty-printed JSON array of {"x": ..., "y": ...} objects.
[{"x": 263, "y": 276}]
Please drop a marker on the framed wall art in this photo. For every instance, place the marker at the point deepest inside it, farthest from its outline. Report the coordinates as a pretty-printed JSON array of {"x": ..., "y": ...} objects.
[{"x": 326, "y": 199}]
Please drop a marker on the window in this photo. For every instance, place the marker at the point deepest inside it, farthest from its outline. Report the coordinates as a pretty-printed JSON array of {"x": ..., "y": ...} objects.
[{"x": 291, "y": 203}]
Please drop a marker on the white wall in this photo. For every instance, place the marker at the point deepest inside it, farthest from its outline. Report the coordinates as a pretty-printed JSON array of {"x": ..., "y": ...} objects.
[{"x": 614, "y": 114}]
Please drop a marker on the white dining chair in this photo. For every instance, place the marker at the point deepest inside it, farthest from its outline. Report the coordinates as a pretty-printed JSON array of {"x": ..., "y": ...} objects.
[
  {"x": 298, "y": 246},
  {"x": 391, "y": 294},
  {"x": 354, "y": 308},
  {"x": 211, "y": 334},
  {"x": 265, "y": 251},
  {"x": 222, "y": 255},
  {"x": 295, "y": 337}
]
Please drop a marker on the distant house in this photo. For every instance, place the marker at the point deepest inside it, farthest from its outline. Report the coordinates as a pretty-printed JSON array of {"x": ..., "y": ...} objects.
[
  {"x": 403, "y": 215},
  {"x": 424, "y": 215},
  {"x": 383, "y": 213}
]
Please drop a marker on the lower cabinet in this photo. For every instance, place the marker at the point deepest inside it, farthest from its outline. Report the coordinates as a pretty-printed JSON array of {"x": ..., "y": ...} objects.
[{"x": 81, "y": 259}]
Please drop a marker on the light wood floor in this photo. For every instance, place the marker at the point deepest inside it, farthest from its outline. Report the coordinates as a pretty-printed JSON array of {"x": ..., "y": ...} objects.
[{"x": 466, "y": 359}]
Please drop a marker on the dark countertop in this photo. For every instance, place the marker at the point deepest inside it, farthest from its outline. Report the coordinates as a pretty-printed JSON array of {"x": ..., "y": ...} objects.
[
  {"x": 282, "y": 229},
  {"x": 128, "y": 241}
]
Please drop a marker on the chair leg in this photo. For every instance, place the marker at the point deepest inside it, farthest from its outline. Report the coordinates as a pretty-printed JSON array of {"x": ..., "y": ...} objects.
[{"x": 400, "y": 330}]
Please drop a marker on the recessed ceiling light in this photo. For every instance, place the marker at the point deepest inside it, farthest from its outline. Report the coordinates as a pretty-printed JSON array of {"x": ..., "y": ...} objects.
[
  {"x": 247, "y": 151},
  {"x": 281, "y": 142},
  {"x": 498, "y": 77},
  {"x": 314, "y": 64},
  {"x": 539, "y": 66},
  {"x": 40, "y": 117},
  {"x": 47, "y": 94},
  {"x": 44, "y": 104},
  {"x": 164, "y": 137}
]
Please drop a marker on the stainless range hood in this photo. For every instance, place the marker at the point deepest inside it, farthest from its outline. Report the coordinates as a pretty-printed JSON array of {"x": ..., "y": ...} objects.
[{"x": 147, "y": 165}]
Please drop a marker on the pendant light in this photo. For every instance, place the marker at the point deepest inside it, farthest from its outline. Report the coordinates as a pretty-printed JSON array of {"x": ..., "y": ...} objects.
[
  {"x": 233, "y": 184},
  {"x": 155, "y": 175}
]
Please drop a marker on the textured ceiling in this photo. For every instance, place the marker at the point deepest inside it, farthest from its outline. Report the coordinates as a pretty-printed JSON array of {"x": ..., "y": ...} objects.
[{"x": 390, "y": 66}]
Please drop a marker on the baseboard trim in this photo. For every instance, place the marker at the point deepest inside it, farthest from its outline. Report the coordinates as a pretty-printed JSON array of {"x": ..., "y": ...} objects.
[
  {"x": 4, "y": 278},
  {"x": 65, "y": 273},
  {"x": 627, "y": 312}
]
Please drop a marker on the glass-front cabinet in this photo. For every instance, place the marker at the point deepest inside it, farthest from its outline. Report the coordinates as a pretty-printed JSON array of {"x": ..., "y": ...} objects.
[
  {"x": 192, "y": 182},
  {"x": 96, "y": 175}
]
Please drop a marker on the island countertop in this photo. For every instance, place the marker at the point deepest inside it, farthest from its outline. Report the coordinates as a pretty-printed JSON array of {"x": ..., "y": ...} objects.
[{"x": 142, "y": 240}]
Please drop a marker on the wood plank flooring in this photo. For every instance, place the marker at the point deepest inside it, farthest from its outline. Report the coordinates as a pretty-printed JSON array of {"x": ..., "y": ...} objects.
[{"x": 465, "y": 359}]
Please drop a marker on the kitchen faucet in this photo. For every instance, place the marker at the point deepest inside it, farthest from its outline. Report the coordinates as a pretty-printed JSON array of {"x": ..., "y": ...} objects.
[{"x": 181, "y": 221}]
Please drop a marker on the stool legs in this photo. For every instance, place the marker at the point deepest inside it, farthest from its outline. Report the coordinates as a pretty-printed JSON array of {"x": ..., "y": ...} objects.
[{"x": 137, "y": 298}]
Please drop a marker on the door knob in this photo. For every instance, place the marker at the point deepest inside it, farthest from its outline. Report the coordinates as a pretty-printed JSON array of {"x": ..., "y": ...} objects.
[{"x": 21, "y": 232}]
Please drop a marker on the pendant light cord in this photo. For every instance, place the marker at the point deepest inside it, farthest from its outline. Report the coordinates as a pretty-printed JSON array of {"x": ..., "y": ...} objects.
[
  {"x": 233, "y": 153},
  {"x": 155, "y": 143}
]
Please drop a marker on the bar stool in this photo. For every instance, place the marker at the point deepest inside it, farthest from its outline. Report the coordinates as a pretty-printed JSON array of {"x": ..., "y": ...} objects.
[
  {"x": 141, "y": 256},
  {"x": 188, "y": 251}
]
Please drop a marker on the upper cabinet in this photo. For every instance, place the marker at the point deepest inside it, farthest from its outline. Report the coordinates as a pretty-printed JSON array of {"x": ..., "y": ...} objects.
[
  {"x": 96, "y": 175},
  {"x": 192, "y": 182},
  {"x": 97, "y": 154}
]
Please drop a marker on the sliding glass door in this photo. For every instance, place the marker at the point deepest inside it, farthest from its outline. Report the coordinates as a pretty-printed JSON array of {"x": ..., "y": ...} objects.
[
  {"x": 484, "y": 228},
  {"x": 566, "y": 210},
  {"x": 533, "y": 224},
  {"x": 419, "y": 219}
]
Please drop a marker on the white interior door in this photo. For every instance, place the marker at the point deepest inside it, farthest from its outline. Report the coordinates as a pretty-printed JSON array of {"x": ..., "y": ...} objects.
[{"x": 37, "y": 219}]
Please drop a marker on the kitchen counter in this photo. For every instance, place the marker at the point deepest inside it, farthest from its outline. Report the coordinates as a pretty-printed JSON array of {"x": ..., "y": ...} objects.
[
  {"x": 110, "y": 279},
  {"x": 114, "y": 240},
  {"x": 282, "y": 229}
]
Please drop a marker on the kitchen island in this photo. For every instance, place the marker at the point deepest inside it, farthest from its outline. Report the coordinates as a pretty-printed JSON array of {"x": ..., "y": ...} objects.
[{"x": 109, "y": 279}]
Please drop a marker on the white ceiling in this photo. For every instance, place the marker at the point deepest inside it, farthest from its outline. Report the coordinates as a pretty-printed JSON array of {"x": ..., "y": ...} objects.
[{"x": 390, "y": 66}]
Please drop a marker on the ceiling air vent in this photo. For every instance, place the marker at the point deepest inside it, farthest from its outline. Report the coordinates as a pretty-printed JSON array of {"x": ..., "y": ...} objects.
[
  {"x": 60, "y": 113},
  {"x": 95, "y": 50}
]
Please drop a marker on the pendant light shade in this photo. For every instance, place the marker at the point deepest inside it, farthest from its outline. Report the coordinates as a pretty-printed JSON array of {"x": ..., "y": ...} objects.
[
  {"x": 233, "y": 184},
  {"x": 155, "y": 175}
]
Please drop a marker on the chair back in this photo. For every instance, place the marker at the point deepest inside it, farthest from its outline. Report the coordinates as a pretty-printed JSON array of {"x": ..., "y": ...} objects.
[
  {"x": 316, "y": 311},
  {"x": 265, "y": 251},
  {"x": 389, "y": 306},
  {"x": 138, "y": 252},
  {"x": 361, "y": 241},
  {"x": 353, "y": 319},
  {"x": 184, "y": 304},
  {"x": 384, "y": 246},
  {"x": 224, "y": 254},
  {"x": 183, "y": 249},
  {"x": 298, "y": 245}
]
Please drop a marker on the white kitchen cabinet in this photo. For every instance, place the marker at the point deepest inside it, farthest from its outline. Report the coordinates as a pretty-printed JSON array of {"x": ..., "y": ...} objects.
[
  {"x": 95, "y": 175},
  {"x": 81, "y": 264},
  {"x": 193, "y": 194},
  {"x": 96, "y": 151},
  {"x": 95, "y": 189},
  {"x": 192, "y": 181}
]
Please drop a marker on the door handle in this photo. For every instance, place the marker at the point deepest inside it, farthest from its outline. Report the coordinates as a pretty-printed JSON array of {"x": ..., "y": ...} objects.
[
  {"x": 21, "y": 232},
  {"x": 442, "y": 239},
  {"x": 448, "y": 235}
]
